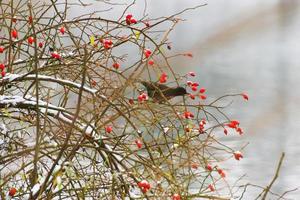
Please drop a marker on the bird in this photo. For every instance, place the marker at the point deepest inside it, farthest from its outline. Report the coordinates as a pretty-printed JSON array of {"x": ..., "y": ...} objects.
[{"x": 160, "y": 93}]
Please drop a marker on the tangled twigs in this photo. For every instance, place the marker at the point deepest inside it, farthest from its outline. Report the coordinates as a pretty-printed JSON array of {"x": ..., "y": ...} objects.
[{"x": 76, "y": 122}]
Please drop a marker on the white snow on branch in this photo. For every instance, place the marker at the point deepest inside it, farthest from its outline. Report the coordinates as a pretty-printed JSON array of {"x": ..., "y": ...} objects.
[{"x": 14, "y": 77}]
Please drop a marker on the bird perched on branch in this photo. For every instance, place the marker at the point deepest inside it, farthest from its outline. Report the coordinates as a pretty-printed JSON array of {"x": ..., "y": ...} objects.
[{"x": 160, "y": 93}]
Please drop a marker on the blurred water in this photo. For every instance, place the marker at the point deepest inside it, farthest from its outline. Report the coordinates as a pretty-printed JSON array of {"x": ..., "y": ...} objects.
[{"x": 252, "y": 46}]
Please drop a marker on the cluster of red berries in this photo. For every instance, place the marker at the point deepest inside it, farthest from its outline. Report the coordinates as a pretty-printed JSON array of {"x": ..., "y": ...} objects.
[
  {"x": 234, "y": 124},
  {"x": 107, "y": 44},
  {"x": 130, "y": 20},
  {"x": 163, "y": 78},
  {"x": 144, "y": 186}
]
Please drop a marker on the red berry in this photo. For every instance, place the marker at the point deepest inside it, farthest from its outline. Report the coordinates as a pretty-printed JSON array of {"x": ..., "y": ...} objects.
[
  {"x": 41, "y": 44},
  {"x": 194, "y": 88},
  {"x": 2, "y": 66},
  {"x": 147, "y": 53},
  {"x": 3, "y": 73},
  {"x": 222, "y": 173},
  {"x": 14, "y": 19},
  {"x": 138, "y": 143},
  {"x": 245, "y": 96},
  {"x": 151, "y": 62},
  {"x": 188, "y": 54},
  {"x": 192, "y": 73},
  {"x": 62, "y": 30},
  {"x": 55, "y": 55},
  {"x": 211, "y": 187},
  {"x": 30, "y": 40},
  {"x": 189, "y": 83},
  {"x": 238, "y": 155},
  {"x": 131, "y": 101},
  {"x": 176, "y": 197},
  {"x": 1, "y": 49},
  {"x": 209, "y": 167},
  {"x": 30, "y": 20},
  {"x": 12, "y": 191},
  {"x": 108, "y": 129},
  {"x": 195, "y": 84},
  {"x": 133, "y": 21},
  {"x": 202, "y": 90},
  {"x": 93, "y": 83},
  {"x": 14, "y": 33},
  {"x": 116, "y": 65},
  {"x": 203, "y": 97},
  {"x": 129, "y": 16},
  {"x": 192, "y": 96}
]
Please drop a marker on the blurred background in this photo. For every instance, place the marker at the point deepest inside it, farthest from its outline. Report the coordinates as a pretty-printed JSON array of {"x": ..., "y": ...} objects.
[{"x": 245, "y": 46}]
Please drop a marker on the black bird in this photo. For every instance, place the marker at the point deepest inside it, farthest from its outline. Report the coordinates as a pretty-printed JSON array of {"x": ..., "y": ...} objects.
[{"x": 159, "y": 92}]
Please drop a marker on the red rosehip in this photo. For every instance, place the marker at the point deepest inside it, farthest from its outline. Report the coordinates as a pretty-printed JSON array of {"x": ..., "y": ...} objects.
[
  {"x": 211, "y": 187},
  {"x": 12, "y": 191},
  {"x": 108, "y": 129},
  {"x": 202, "y": 90},
  {"x": 238, "y": 155},
  {"x": 194, "y": 88},
  {"x": 2, "y": 66},
  {"x": 203, "y": 97},
  {"x": 138, "y": 143},
  {"x": 93, "y": 83},
  {"x": 189, "y": 83},
  {"x": 14, "y": 19},
  {"x": 30, "y": 40},
  {"x": 116, "y": 65},
  {"x": 192, "y": 96},
  {"x": 222, "y": 173},
  {"x": 55, "y": 55},
  {"x": 225, "y": 131},
  {"x": 195, "y": 84},
  {"x": 192, "y": 73},
  {"x": 41, "y": 44},
  {"x": 131, "y": 101},
  {"x": 245, "y": 96},
  {"x": 1, "y": 49},
  {"x": 147, "y": 53},
  {"x": 176, "y": 197},
  {"x": 133, "y": 21},
  {"x": 62, "y": 30},
  {"x": 14, "y": 33},
  {"x": 129, "y": 16},
  {"x": 188, "y": 54},
  {"x": 151, "y": 62},
  {"x": 30, "y": 19},
  {"x": 209, "y": 167}
]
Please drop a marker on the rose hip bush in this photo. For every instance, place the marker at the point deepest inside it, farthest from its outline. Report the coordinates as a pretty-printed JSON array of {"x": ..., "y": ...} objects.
[{"x": 76, "y": 122}]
